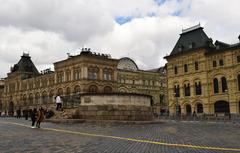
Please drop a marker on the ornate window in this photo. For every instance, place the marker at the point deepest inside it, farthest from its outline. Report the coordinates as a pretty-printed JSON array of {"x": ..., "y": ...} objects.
[
  {"x": 196, "y": 66},
  {"x": 175, "y": 70},
  {"x": 187, "y": 89},
  {"x": 77, "y": 74},
  {"x": 68, "y": 75},
  {"x": 238, "y": 58},
  {"x": 177, "y": 90},
  {"x": 198, "y": 88},
  {"x": 107, "y": 74},
  {"x": 224, "y": 84},
  {"x": 93, "y": 73},
  {"x": 185, "y": 68},
  {"x": 215, "y": 85},
  {"x": 221, "y": 62},
  {"x": 60, "y": 77},
  {"x": 214, "y": 63}
]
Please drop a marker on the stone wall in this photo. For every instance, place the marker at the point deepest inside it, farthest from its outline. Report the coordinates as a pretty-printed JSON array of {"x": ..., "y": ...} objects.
[
  {"x": 116, "y": 99},
  {"x": 114, "y": 112}
]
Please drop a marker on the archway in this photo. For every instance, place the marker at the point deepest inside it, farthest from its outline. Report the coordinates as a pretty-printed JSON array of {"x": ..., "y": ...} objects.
[
  {"x": 60, "y": 91},
  {"x": 11, "y": 108},
  {"x": 93, "y": 89},
  {"x": 221, "y": 107},
  {"x": 199, "y": 108},
  {"x": 0, "y": 105},
  {"x": 30, "y": 99},
  {"x": 77, "y": 89},
  {"x": 188, "y": 109},
  {"x": 107, "y": 89},
  {"x": 44, "y": 97}
]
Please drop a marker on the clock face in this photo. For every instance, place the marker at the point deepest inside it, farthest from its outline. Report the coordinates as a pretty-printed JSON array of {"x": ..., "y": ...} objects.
[{"x": 127, "y": 64}]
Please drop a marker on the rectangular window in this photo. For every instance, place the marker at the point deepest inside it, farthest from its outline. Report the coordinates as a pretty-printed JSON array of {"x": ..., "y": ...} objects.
[
  {"x": 214, "y": 64},
  {"x": 221, "y": 62},
  {"x": 175, "y": 70},
  {"x": 196, "y": 66},
  {"x": 185, "y": 68},
  {"x": 238, "y": 59}
]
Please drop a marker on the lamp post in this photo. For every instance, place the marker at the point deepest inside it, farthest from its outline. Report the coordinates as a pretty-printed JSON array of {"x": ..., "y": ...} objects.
[
  {"x": 226, "y": 91},
  {"x": 177, "y": 107}
]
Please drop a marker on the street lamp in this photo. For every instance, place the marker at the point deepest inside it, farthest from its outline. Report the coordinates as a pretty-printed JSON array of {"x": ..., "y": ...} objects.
[
  {"x": 226, "y": 91},
  {"x": 177, "y": 107}
]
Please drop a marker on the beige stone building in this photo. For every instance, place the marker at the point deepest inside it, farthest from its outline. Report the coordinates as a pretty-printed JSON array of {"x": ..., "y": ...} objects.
[
  {"x": 202, "y": 76},
  {"x": 87, "y": 72}
]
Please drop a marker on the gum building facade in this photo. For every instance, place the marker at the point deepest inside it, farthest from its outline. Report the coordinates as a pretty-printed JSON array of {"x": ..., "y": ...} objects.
[
  {"x": 203, "y": 76},
  {"x": 25, "y": 87}
]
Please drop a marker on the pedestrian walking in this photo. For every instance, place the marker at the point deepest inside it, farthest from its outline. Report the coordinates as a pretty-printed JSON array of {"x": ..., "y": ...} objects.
[
  {"x": 26, "y": 114},
  {"x": 33, "y": 117},
  {"x": 19, "y": 113},
  {"x": 58, "y": 102},
  {"x": 40, "y": 117}
]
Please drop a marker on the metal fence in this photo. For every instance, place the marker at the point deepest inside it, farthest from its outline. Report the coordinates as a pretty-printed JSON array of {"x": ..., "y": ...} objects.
[{"x": 203, "y": 117}]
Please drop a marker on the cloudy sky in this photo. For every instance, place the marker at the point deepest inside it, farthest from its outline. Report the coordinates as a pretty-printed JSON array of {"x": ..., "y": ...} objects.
[{"x": 144, "y": 30}]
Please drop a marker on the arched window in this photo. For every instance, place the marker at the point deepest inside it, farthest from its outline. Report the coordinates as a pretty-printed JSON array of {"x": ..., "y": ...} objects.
[
  {"x": 177, "y": 90},
  {"x": 30, "y": 98},
  {"x": 60, "y": 91},
  {"x": 77, "y": 89},
  {"x": 215, "y": 85},
  {"x": 224, "y": 84},
  {"x": 51, "y": 96},
  {"x": 107, "y": 89},
  {"x": 24, "y": 100},
  {"x": 37, "y": 98},
  {"x": 44, "y": 97},
  {"x": 187, "y": 89},
  {"x": 93, "y": 89},
  {"x": 199, "y": 108},
  {"x": 239, "y": 82},
  {"x": 68, "y": 91},
  {"x": 198, "y": 88}
]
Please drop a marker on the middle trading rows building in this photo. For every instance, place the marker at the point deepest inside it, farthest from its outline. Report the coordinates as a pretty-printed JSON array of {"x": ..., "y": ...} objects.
[{"x": 87, "y": 72}]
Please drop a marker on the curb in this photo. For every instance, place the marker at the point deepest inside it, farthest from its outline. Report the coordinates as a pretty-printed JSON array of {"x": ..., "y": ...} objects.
[{"x": 71, "y": 121}]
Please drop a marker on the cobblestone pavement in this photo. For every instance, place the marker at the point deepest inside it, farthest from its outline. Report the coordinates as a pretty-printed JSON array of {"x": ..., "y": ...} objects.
[{"x": 17, "y": 136}]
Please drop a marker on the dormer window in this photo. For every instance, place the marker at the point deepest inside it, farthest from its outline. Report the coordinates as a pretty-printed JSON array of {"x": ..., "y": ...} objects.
[
  {"x": 191, "y": 45},
  {"x": 180, "y": 48}
]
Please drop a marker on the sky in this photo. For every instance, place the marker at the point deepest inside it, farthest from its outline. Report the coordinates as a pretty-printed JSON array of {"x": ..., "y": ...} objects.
[{"x": 144, "y": 30}]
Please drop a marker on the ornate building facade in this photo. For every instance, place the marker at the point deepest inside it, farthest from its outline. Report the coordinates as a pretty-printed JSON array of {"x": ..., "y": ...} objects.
[
  {"x": 87, "y": 72},
  {"x": 202, "y": 76}
]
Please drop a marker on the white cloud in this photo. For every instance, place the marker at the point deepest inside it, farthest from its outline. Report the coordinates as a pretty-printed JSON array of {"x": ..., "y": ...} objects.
[{"x": 50, "y": 29}]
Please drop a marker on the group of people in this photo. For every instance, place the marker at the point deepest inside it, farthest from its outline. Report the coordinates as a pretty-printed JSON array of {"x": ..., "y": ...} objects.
[{"x": 37, "y": 116}]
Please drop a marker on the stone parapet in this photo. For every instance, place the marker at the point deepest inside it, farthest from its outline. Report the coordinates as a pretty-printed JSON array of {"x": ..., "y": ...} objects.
[{"x": 114, "y": 112}]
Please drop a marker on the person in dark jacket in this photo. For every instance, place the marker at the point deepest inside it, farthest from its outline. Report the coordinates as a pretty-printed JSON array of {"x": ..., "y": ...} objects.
[{"x": 33, "y": 117}]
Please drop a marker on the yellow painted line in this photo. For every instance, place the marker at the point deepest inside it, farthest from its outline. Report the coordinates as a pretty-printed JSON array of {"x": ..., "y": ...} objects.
[{"x": 131, "y": 139}]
